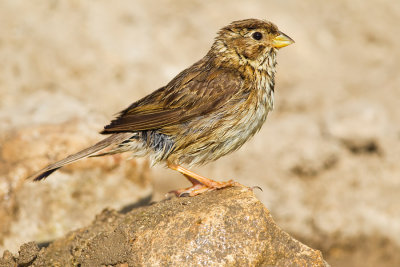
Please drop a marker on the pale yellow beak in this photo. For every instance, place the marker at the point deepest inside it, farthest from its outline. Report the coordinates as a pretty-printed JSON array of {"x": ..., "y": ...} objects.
[{"x": 282, "y": 40}]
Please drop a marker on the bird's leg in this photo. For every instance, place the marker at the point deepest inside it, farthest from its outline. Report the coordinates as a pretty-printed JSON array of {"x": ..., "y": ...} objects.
[{"x": 200, "y": 184}]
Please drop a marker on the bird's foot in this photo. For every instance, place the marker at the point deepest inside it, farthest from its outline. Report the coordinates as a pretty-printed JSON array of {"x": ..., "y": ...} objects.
[
  {"x": 200, "y": 184},
  {"x": 200, "y": 188}
]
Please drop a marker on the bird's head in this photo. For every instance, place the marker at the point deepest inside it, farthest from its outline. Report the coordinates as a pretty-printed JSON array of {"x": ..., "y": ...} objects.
[{"x": 250, "y": 41}]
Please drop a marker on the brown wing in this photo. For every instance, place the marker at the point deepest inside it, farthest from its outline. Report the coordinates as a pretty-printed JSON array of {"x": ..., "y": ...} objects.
[{"x": 186, "y": 96}]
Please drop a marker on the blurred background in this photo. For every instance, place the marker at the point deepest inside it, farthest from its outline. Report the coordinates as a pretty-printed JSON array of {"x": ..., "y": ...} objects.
[{"x": 327, "y": 159}]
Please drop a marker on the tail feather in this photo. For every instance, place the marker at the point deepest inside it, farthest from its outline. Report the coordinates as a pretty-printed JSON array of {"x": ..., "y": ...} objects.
[{"x": 111, "y": 140}]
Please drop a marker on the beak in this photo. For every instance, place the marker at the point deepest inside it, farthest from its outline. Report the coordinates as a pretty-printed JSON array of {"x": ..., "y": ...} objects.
[{"x": 282, "y": 40}]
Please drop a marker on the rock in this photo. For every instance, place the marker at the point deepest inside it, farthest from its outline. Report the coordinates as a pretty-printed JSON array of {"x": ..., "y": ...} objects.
[
  {"x": 70, "y": 197},
  {"x": 229, "y": 227},
  {"x": 7, "y": 260},
  {"x": 27, "y": 253}
]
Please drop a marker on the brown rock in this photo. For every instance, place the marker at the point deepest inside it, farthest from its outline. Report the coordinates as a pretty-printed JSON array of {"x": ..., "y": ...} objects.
[
  {"x": 7, "y": 260},
  {"x": 27, "y": 253},
  {"x": 223, "y": 228}
]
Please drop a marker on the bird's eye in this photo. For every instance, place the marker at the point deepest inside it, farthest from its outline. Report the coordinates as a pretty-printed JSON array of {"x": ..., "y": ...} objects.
[{"x": 257, "y": 36}]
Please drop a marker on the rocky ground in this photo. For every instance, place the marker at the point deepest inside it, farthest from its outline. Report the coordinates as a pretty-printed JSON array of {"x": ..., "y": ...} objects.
[
  {"x": 223, "y": 228},
  {"x": 327, "y": 159}
]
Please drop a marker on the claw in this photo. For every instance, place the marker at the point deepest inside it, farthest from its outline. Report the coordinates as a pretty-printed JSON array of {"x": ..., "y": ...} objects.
[
  {"x": 256, "y": 187},
  {"x": 184, "y": 194}
]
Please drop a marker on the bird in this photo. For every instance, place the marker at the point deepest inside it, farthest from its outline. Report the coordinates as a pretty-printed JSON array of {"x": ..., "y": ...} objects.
[{"x": 207, "y": 111}]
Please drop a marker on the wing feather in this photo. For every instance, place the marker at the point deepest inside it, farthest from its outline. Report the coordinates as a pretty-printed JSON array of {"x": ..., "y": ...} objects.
[{"x": 179, "y": 101}]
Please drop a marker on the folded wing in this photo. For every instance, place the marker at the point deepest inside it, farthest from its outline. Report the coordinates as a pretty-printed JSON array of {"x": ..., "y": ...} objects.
[{"x": 179, "y": 101}]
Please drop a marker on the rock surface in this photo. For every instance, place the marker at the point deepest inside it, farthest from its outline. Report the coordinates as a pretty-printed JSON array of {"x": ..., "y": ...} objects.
[{"x": 228, "y": 227}]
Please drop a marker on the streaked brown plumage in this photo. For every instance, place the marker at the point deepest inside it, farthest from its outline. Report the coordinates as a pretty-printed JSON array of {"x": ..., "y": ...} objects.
[{"x": 207, "y": 111}]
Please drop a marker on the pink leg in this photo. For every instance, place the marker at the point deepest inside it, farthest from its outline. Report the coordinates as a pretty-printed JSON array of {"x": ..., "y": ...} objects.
[{"x": 200, "y": 184}]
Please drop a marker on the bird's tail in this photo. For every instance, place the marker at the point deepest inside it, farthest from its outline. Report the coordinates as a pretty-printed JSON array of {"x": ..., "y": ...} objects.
[{"x": 111, "y": 140}]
